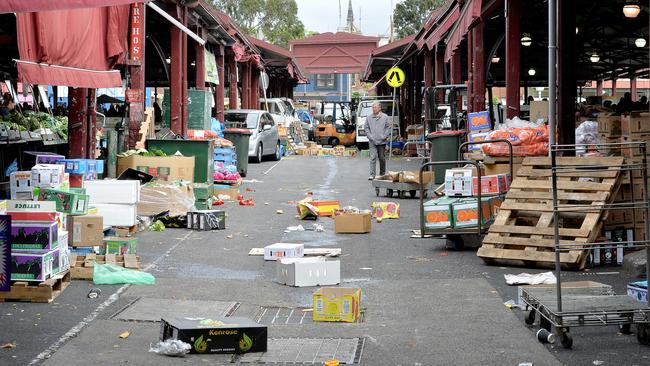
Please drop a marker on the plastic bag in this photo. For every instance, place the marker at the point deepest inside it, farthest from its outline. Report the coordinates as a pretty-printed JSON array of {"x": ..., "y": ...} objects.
[
  {"x": 110, "y": 274},
  {"x": 171, "y": 347},
  {"x": 587, "y": 134},
  {"x": 525, "y": 141}
]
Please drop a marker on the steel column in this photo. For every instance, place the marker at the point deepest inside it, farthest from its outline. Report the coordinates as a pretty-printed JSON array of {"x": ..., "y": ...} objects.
[
  {"x": 428, "y": 68},
  {"x": 232, "y": 89},
  {"x": 478, "y": 85},
  {"x": 199, "y": 51},
  {"x": 633, "y": 88},
  {"x": 176, "y": 84},
  {"x": 219, "y": 94},
  {"x": 567, "y": 67},
  {"x": 513, "y": 60},
  {"x": 599, "y": 87}
]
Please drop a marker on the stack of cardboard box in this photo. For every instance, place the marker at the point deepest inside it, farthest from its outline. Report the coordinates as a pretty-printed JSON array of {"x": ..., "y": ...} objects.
[{"x": 479, "y": 127}]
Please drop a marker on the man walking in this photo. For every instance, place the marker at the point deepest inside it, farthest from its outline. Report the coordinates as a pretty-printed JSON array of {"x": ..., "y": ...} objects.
[{"x": 377, "y": 128}]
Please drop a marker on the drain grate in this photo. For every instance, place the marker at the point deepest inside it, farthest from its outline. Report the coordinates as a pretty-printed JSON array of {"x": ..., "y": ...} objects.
[
  {"x": 308, "y": 351},
  {"x": 152, "y": 310},
  {"x": 281, "y": 315}
]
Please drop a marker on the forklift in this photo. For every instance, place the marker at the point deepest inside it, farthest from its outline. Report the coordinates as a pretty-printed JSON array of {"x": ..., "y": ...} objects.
[
  {"x": 336, "y": 124},
  {"x": 441, "y": 107}
]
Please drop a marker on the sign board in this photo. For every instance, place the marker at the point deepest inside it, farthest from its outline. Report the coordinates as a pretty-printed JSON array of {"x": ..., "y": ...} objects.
[
  {"x": 133, "y": 95},
  {"x": 136, "y": 38},
  {"x": 395, "y": 77},
  {"x": 264, "y": 80},
  {"x": 211, "y": 74}
]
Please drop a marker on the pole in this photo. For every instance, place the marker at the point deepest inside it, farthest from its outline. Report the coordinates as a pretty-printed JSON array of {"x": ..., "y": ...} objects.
[
  {"x": 552, "y": 75},
  {"x": 392, "y": 121}
]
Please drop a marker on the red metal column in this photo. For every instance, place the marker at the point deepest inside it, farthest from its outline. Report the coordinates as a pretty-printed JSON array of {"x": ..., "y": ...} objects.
[
  {"x": 599, "y": 87},
  {"x": 478, "y": 86},
  {"x": 232, "y": 89},
  {"x": 410, "y": 74},
  {"x": 184, "y": 66},
  {"x": 513, "y": 61},
  {"x": 470, "y": 72},
  {"x": 428, "y": 68},
  {"x": 219, "y": 90},
  {"x": 176, "y": 84},
  {"x": 419, "y": 76},
  {"x": 136, "y": 70},
  {"x": 245, "y": 85},
  {"x": 199, "y": 51},
  {"x": 456, "y": 76},
  {"x": 82, "y": 123},
  {"x": 440, "y": 64},
  {"x": 614, "y": 85},
  {"x": 633, "y": 88},
  {"x": 255, "y": 88}
]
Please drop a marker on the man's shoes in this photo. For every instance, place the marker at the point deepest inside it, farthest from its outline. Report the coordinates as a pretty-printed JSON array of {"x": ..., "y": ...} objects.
[{"x": 371, "y": 178}]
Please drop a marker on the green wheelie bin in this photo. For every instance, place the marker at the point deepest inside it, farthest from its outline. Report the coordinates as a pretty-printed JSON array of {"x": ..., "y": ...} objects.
[
  {"x": 240, "y": 138},
  {"x": 444, "y": 147}
]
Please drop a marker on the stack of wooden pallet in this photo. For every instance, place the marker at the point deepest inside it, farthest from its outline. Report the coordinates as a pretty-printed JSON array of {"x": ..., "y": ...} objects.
[{"x": 523, "y": 232}]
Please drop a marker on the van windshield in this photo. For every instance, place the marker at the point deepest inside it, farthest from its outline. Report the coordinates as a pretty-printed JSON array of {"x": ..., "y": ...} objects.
[{"x": 365, "y": 109}]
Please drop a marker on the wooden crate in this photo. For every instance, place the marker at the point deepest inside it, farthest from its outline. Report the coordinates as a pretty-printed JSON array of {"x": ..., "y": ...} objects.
[
  {"x": 44, "y": 292},
  {"x": 82, "y": 267},
  {"x": 523, "y": 231}
]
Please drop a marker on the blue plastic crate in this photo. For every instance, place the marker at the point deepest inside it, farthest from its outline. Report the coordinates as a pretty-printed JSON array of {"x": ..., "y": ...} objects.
[
  {"x": 224, "y": 150},
  {"x": 83, "y": 166}
]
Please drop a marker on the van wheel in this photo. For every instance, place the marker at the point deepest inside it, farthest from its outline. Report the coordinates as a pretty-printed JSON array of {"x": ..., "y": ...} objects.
[
  {"x": 334, "y": 141},
  {"x": 258, "y": 154}
]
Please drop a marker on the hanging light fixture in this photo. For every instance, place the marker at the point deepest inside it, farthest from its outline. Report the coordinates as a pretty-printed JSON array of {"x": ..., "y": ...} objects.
[
  {"x": 168, "y": 60},
  {"x": 640, "y": 42},
  {"x": 526, "y": 40},
  {"x": 532, "y": 72},
  {"x": 631, "y": 9},
  {"x": 594, "y": 57},
  {"x": 495, "y": 59},
  {"x": 577, "y": 30}
]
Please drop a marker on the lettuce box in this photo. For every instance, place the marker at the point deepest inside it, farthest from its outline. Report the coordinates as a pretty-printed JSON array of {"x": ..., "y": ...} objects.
[
  {"x": 283, "y": 250},
  {"x": 479, "y": 121},
  {"x": 49, "y": 176},
  {"x": 301, "y": 272},
  {"x": 218, "y": 335},
  {"x": 337, "y": 304},
  {"x": 120, "y": 246},
  {"x": 458, "y": 182},
  {"x": 32, "y": 266},
  {"x": 466, "y": 212},
  {"x": 66, "y": 202},
  {"x": 41, "y": 236},
  {"x": 438, "y": 213},
  {"x": 20, "y": 186}
]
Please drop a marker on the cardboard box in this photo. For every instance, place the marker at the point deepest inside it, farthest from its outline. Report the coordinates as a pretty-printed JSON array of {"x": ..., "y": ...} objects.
[
  {"x": 20, "y": 184},
  {"x": 46, "y": 157},
  {"x": 539, "y": 110},
  {"x": 476, "y": 137},
  {"x": 478, "y": 121},
  {"x": 32, "y": 266},
  {"x": 118, "y": 215},
  {"x": 609, "y": 124},
  {"x": 34, "y": 236},
  {"x": 85, "y": 230},
  {"x": 494, "y": 169},
  {"x": 438, "y": 213},
  {"x": 31, "y": 206},
  {"x": 49, "y": 176},
  {"x": 77, "y": 181},
  {"x": 113, "y": 191},
  {"x": 67, "y": 202},
  {"x": 466, "y": 212},
  {"x": 326, "y": 208},
  {"x": 352, "y": 223},
  {"x": 458, "y": 182},
  {"x": 225, "y": 190},
  {"x": 492, "y": 184},
  {"x": 119, "y": 246},
  {"x": 162, "y": 167},
  {"x": 496, "y": 204},
  {"x": 638, "y": 290},
  {"x": 283, "y": 250},
  {"x": 414, "y": 177},
  {"x": 218, "y": 335},
  {"x": 634, "y": 123},
  {"x": 206, "y": 220},
  {"x": 337, "y": 304},
  {"x": 302, "y": 272},
  {"x": 83, "y": 166},
  {"x": 35, "y": 216},
  {"x": 385, "y": 210}
]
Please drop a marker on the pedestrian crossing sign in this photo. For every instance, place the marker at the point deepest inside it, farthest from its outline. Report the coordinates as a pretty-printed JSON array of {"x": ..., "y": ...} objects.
[{"x": 395, "y": 77}]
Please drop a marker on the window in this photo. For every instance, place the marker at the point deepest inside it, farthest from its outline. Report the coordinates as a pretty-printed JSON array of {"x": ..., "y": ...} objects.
[{"x": 325, "y": 81}]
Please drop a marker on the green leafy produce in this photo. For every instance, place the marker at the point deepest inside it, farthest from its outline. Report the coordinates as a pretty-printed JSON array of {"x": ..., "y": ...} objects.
[{"x": 157, "y": 226}]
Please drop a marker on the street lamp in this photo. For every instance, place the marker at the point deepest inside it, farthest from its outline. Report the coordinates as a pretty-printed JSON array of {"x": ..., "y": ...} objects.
[
  {"x": 526, "y": 40},
  {"x": 594, "y": 58},
  {"x": 640, "y": 42},
  {"x": 631, "y": 9},
  {"x": 532, "y": 72}
]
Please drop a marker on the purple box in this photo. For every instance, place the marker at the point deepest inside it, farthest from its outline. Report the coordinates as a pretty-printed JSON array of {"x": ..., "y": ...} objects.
[
  {"x": 31, "y": 266},
  {"x": 45, "y": 157},
  {"x": 34, "y": 236},
  {"x": 5, "y": 252}
]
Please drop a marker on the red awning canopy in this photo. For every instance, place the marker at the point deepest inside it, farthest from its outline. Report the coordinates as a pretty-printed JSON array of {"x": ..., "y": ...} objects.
[
  {"x": 468, "y": 18},
  {"x": 29, "y": 6},
  {"x": 437, "y": 33}
]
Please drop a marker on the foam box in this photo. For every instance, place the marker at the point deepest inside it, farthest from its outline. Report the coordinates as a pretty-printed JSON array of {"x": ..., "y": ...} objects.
[
  {"x": 49, "y": 176},
  {"x": 21, "y": 187},
  {"x": 458, "y": 182},
  {"x": 283, "y": 250},
  {"x": 117, "y": 215},
  {"x": 302, "y": 272},
  {"x": 113, "y": 191}
]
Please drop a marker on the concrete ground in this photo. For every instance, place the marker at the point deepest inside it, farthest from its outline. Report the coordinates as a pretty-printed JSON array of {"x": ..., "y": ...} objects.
[{"x": 423, "y": 305}]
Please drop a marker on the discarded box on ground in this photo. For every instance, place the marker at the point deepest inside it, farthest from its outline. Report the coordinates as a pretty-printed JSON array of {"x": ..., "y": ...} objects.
[
  {"x": 67, "y": 202},
  {"x": 225, "y": 190},
  {"x": 326, "y": 208},
  {"x": 307, "y": 211},
  {"x": 302, "y": 272},
  {"x": 125, "y": 192},
  {"x": 118, "y": 215},
  {"x": 82, "y": 265},
  {"x": 34, "y": 236},
  {"x": 283, "y": 250},
  {"x": 458, "y": 182},
  {"x": 385, "y": 210},
  {"x": 156, "y": 199},
  {"x": 32, "y": 266},
  {"x": 206, "y": 220},
  {"x": 218, "y": 335},
  {"x": 119, "y": 246},
  {"x": 162, "y": 167},
  {"x": 352, "y": 223},
  {"x": 85, "y": 230},
  {"x": 638, "y": 290},
  {"x": 337, "y": 304},
  {"x": 21, "y": 187}
]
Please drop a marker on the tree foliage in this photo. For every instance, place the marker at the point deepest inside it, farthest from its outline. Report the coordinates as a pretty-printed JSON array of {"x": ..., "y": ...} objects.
[
  {"x": 409, "y": 15},
  {"x": 276, "y": 21}
]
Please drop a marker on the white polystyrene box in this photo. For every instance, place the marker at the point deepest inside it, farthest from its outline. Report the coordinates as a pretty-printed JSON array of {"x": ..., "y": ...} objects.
[
  {"x": 113, "y": 191},
  {"x": 283, "y": 250},
  {"x": 302, "y": 272}
]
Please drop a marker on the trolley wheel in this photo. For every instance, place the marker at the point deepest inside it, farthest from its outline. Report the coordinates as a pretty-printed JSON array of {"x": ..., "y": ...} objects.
[
  {"x": 377, "y": 191},
  {"x": 625, "y": 328},
  {"x": 389, "y": 192},
  {"x": 529, "y": 316},
  {"x": 412, "y": 193},
  {"x": 566, "y": 339},
  {"x": 401, "y": 194},
  {"x": 643, "y": 334},
  {"x": 455, "y": 242}
]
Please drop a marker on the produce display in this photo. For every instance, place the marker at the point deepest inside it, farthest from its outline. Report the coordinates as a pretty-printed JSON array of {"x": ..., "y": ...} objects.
[{"x": 36, "y": 122}]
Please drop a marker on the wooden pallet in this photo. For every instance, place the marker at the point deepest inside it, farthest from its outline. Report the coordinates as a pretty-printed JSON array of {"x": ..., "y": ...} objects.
[
  {"x": 82, "y": 267},
  {"x": 523, "y": 231},
  {"x": 44, "y": 292}
]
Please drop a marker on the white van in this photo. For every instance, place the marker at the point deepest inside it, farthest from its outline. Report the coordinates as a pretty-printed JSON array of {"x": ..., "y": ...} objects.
[
  {"x": 281, "y": 110},
  {"x": 364, "y": 109}
]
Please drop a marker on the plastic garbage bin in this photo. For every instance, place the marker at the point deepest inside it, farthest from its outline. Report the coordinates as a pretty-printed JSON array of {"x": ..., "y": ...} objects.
[
  {"x": 240, "y": 138},
  {"x": 444, "y": 147}
]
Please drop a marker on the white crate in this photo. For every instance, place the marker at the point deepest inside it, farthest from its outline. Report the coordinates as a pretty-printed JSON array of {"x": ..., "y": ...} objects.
[
  {"x": 301, "y": 272},
  {"x": 113, "y": 191},
  {"x": 283, "y": 250}
]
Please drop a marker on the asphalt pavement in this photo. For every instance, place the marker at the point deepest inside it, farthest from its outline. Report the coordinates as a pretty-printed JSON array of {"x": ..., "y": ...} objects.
[{"x": 423, "y": 304}]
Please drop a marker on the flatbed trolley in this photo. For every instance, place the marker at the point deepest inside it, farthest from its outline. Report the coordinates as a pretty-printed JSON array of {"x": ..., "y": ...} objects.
[
  {"x": 563, "y": 308},
  {"x": 454, "y": 237}
]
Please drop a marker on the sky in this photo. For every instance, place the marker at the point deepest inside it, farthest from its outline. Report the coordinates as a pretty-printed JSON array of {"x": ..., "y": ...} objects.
[{"x": 372, "y": 16}]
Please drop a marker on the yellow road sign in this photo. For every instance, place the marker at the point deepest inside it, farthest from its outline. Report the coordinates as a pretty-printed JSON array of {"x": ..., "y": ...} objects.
[{"x": 395, "y": 77}]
